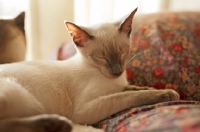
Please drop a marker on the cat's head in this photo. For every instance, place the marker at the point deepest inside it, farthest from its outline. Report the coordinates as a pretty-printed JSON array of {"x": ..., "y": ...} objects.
[
  {"x": 106, "y": 45},
  {"x": 12, "y": 39}
]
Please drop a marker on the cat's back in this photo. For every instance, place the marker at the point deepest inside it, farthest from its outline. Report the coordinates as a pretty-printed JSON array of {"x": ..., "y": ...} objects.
[
  {"x": 27, "y": 66},
  {"x": 31, "y": 73}
]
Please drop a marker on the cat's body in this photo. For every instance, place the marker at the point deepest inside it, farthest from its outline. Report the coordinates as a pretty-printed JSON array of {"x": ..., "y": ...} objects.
[
  {"x": 86, "y": 88},
  {"x": 12, "y": 39},
  {"x": 64, "y": 94}
]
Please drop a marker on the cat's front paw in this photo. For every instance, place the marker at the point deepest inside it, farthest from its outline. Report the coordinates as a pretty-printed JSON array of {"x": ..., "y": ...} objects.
[
  {"x": 169, "y": 95},
  {"x": 52, "y": 123}
]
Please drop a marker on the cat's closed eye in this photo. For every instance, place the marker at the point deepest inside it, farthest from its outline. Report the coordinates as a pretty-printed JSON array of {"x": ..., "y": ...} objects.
[
  {"x": 124, "y": 53},
  {"x": 102, "y": 58}
]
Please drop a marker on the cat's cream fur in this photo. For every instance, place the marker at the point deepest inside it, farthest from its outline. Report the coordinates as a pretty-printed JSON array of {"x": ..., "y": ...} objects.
[{"x": 86, "y": 88}]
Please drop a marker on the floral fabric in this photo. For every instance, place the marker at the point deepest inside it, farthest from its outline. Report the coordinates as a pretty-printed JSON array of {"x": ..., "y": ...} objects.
[
  {"x": 165, "y": 53},
  {"x": 177, "y": 116}
]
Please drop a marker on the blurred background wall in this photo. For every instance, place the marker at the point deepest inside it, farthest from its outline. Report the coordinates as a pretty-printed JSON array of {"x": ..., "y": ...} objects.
[{"x": 45, "y": 28}]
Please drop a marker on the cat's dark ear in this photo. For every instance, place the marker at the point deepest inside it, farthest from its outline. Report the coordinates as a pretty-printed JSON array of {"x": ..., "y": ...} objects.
[
  {"x": 19, "y": 20},
  {"x": 80, "y": 36},
  {"x": 125, "y": 25}
]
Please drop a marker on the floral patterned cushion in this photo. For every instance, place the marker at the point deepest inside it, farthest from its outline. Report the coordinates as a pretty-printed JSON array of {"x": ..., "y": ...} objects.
[
  {"x": 175, "y": 116},
  {"x": 165, "y": 53}
]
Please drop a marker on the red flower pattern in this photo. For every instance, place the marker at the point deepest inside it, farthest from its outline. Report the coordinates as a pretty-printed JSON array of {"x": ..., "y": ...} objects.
[
  {"x": 197, "y": 32},
  {"x": 145, "y": 44},
  {"x": 158, "y": 73},
  {"x": 177, "y": 47},
  {"x": 168, "y": 34},
  {"x": 130, "y": 74},
  {"x": 159, "y": 85},
  {"x": 181, "y": 94},
  {"x": 145, "y": 27},
  {"x": 173, "y": 19},
  {"x": 198, "y": 70},
  {"x": 185, "y": 61}
]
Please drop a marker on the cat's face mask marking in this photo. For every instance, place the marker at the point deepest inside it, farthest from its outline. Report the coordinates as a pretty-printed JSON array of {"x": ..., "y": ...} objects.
[
  {"x": 106, "y": 45},
  {"x": 12, "y": 35}
]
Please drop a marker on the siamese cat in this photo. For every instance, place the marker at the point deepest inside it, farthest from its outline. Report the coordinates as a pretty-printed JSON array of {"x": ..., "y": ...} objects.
[
  {"x": 12, "y": 39},
  {"x": 85, "y": 89}
]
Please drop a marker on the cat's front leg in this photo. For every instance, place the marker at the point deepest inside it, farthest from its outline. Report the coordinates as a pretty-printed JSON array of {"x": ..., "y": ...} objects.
[
  {"x": 136, "y": 88},
  {"x": 104, "y": 106}
]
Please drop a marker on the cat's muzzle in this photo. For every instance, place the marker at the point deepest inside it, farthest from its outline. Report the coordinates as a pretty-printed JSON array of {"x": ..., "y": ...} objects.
[{"x": 117, "y": 70}]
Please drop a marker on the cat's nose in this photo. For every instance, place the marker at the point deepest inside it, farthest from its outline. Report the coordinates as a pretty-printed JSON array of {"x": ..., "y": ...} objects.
[
  {"x": 116, "y": 70},
  {"x": 117, "y": 73}
]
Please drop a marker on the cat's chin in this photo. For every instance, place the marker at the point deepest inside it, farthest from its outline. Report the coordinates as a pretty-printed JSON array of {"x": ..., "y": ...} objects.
[
  {"x": 108, "y": 74},
  {"x": 111, "y": 76},
  {"x": 115, "y": 77}
]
